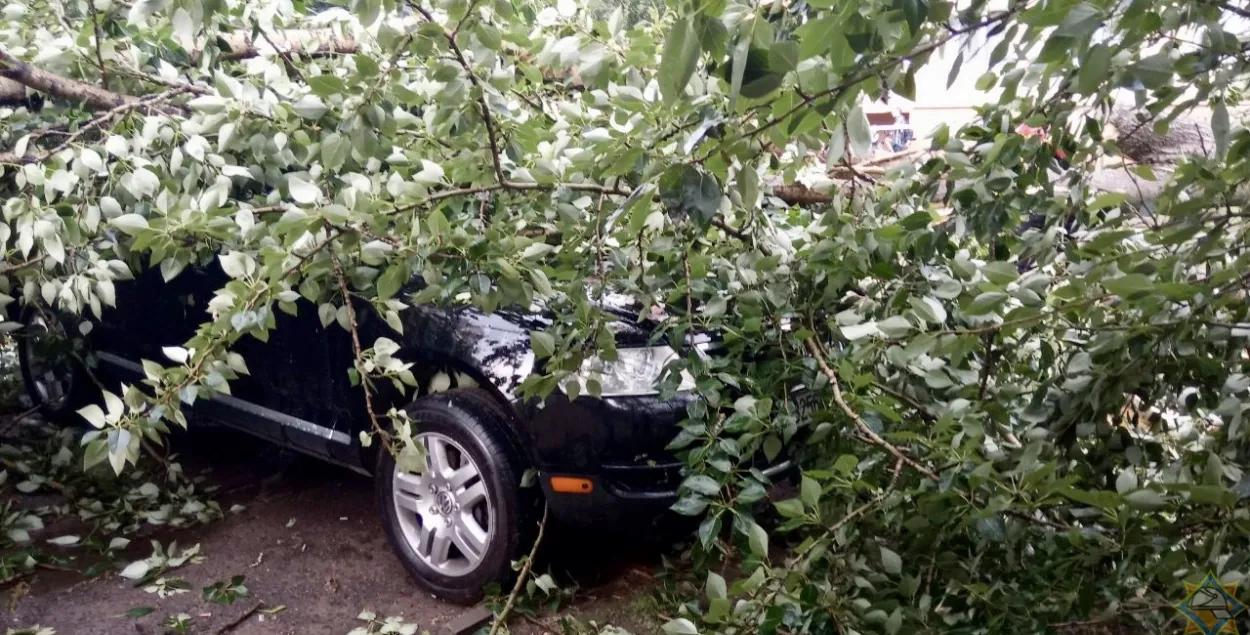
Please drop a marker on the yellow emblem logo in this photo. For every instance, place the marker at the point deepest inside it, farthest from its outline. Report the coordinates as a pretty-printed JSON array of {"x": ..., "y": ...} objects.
[{"x": 1211, "y": 607}]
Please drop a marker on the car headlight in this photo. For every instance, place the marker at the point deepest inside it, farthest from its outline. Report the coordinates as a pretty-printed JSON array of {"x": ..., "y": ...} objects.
[{"x": 635, "y": 372}]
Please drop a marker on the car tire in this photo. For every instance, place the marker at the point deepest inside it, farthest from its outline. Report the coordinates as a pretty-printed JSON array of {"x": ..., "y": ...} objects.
[
  {"x": 457, "y": 526},
  {"x": 53, "y": 376}
]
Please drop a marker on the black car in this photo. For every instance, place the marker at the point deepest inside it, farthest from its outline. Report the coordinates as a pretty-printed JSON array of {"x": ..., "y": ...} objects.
[{"x": 457, "y": 525}]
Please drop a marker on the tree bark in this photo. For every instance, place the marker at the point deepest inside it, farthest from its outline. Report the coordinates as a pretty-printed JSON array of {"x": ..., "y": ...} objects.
[
  {"x": 311, "y": 42},
  {"x": 26, "y": 75}
]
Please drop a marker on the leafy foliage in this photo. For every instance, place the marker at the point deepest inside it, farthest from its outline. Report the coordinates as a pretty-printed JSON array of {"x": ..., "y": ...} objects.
[
  {"x": 1018, "y": 400},
  {"x": 390, "y": 624}
]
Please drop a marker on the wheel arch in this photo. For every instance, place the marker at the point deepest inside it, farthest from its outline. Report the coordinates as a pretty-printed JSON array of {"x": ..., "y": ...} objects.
[{"x": 438, "y": 372}]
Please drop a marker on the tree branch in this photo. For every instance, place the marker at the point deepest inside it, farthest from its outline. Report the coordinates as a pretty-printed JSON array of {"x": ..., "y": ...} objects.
[
  {"x": 99, "y": 120},
  {"x": 863, "y": 75},
  {"x": 492, "y": 133},
  {"x": 58, "y": 86},
  {"x": 860, "y": 425},
  {"x": 285, "y": 55},
  {"x": 359, "y": 353},
  {"x": 99, "y": 40},
  {"x": 520, "y": 581}
]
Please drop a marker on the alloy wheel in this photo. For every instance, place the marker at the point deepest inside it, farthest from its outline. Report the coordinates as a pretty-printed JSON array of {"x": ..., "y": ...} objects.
[{"x": 445, "y": 512}]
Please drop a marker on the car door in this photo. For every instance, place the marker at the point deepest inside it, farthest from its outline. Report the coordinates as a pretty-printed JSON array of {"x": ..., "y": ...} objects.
[{"x": 298, "y": 378}]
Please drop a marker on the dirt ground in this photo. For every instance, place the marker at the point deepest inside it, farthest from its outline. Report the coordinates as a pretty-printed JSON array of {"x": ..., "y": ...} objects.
[{"x": 309, "y": 539}]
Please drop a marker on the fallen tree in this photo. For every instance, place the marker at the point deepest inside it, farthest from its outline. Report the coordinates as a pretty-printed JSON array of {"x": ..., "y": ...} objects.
[{"x": 1026, "y": 417}]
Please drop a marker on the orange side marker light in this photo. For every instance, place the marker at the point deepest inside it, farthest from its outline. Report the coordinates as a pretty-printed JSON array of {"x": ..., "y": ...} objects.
[{"x": 571, "y": 485}]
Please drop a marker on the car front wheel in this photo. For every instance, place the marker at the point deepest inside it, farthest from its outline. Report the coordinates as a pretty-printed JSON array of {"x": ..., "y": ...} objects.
[{"x": 458, "y": 524}]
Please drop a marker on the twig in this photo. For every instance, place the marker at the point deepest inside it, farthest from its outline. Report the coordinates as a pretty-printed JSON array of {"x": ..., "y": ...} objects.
[
  {"x": 868, "y": 436},
  {"x": 16, "y": 577},
  {"x": 400, "y": 47},
  {"x": 56, "y": 567},
  {"x": 170, "y": 83},
  {"x": 906, "y": 399},
  {"x": 488, "y": 119},
  {"x": 99, "y": 40},
  {"x": 1111, "y": 616},
  {"x": 238, "y": 621},
  {"x": 13, "y": 419},
  {"x": 96, "y": 122},
  {"x": 502, "y": 618},
  {"x": 539, "y": 623},
  {"x": 864, "y": 430},
  {"x": 871, "y": 71},
  {"x": 723, "y": 226},
  {"x": 859, "y": 511},
  {"x": 1235, "y": 10},
  {"x": 357, "y": 351},
  {"x": 886, "y": 158},
  {"x": 56, "y": 486},
  {"x": 685, "y": 261},
  {"x": 283, "y": 53},
  {"x": 533, "y": 104},
  {"x": 987, "y": 366},
  {"x": 465, "y": 18}
]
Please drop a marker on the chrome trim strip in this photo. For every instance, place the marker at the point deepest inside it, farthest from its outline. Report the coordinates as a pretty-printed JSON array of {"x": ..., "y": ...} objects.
[
  {"x": 307, "y": 427},
  {"x": 119, "y": 361},
  {"x": 776, "y": 469}
]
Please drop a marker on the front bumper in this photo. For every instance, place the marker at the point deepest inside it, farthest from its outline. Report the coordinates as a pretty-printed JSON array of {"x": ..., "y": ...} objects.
[{"x": 618, "y": 445}]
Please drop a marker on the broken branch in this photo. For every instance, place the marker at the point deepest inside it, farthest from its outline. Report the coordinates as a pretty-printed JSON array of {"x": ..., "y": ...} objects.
[{"x": 58, "y": 86}]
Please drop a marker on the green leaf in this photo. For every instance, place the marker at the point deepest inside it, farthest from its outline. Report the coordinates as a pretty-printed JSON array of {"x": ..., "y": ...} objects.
[
  {"x": 1080, "y": 21},
  {"x": 894, "y": 622},
  {"x": 1126, "y": 481},
  {"x": 1108, "y": 200},
  {"x": 1220, "y": 127},
  {"x": 859, "y": 131},
  {"x": 716, "y": 587},
  {"x": 130, "y": 223},
  {"x": 894, "y": 326},
  {"x": 680, "y": 626},
  {"x": 1154, "y": 71},
  {"x": 1129, "y": 285},
  {"x": 783, "y": 57},
  {"x": 488, "y": 36},
  {"x": 890, "y": 561},
  {"x": 1094, "y": 69},
  {"x": 391, "y": 280},
  {"x": 837, "y": 143},
  {"x": 691, "y": 505},
  {"x": 365, "y": 65},
  {"x": 739, "y": 66},
  {"x": 1146, "y": 499},
  {"x": 709, "y": 529},
  {"x": 929, "y": 308},
  {"x": 789, "y": 508},
  {"x": 678, "y": 61},
  {"x": 809, "y": 491},
  {"x": 327, "y": 85},
  {"x": 437, "y": 223},
  {"x": 859, "y": 331},
  {"x": 954, "y": 72},
  {"x": 986, "y": 303},
  {"x": 757, "y": 538},
  {"x": 543, "y": 343},
  {"x": 846, "y": 464},
  {"x": 140, "y": 611},
  {"x": 702, "y": 484}
]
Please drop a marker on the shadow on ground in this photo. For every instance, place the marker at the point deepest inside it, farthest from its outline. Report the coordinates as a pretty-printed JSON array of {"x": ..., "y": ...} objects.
[{"x": 308, "y": 538}]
